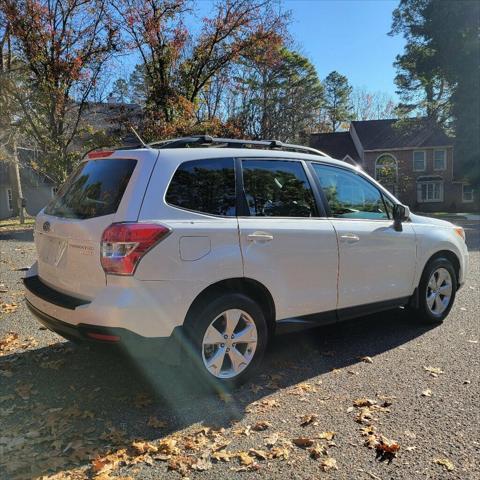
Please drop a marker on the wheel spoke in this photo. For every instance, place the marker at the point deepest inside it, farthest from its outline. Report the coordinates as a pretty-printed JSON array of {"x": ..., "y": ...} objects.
[
  {"x": 237, "y": 359},
  {"x": 232, "y": 317},
  {"x": 432, "y": 284},
  {"x": 431, "y": 300},
  {"x": 213, "y": 336},
  {"x": 446, "y": 289},
  {"x": 247, "y": 335},
  {"x": 215, "y": 363},
  {"x": 442, "y": 276}
]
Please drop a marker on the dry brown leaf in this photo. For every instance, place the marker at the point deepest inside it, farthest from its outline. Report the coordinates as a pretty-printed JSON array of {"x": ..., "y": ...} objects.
[
  {"x": 261, "y": 426},
  {"x": 24, "y": 391},
  {"x": 366, "y": 359},
  {"x": 364, "y": 415},
  {"x": 303, "y": 442},
  {"x": 317, "y": 451},
  {"x": 168, "y": 446},
  {"x": 154, "y": 422},
  {"x": 222, "y": 455},
  {"x": 272, "y": 439},
  {"x": 310, "y": 419},
  {"x": 201, "y": 465},
  {"x": 245, "y": 458},
  {"x": 8, "y": 307},
  {"x": 427, "y": 393},
  {"x": 141, "y": 448},
  {"x": 434, "y": 371},
  {"x": 445, "y": 462},
  {"x": 280, "y": 453},
  {"x": 364, "y": 402},
  {"x": 260, "y": 454},
  {"x": 329, "y": 464},
  {"x": 327, "y": 435},
  {"x": 243, "y": 431},
  {"x": 142, "y": 400}
]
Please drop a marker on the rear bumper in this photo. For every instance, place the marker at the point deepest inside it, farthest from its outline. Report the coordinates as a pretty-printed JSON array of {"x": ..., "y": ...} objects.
[{"x": 44, "y": 302}]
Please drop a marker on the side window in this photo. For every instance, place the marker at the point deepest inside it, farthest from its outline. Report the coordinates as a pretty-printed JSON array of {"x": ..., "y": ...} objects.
[
  {"x": 277, "y": 188},
  {"x": 349, "y": 195},
  {"x": 206, "y": 186}
]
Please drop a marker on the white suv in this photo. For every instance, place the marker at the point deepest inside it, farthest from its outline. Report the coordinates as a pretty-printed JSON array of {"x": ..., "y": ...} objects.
[{"x": 208, "y": 247}]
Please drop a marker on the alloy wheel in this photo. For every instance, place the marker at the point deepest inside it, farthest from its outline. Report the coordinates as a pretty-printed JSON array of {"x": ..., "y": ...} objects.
[
  {"x": 439, "y": 291},
  {"x": 229, "y": 343}
]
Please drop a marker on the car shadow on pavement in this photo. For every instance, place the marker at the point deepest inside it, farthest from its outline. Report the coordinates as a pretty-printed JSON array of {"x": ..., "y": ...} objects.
[{"x": 63, "y": 405}]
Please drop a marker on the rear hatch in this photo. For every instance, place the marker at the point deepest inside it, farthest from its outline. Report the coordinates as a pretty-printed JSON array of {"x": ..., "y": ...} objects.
[{"x": 107, "y": 187}]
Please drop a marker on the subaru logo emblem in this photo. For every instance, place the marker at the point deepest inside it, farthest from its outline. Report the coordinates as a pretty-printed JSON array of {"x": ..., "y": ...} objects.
[{"x": 46, "y": 227}]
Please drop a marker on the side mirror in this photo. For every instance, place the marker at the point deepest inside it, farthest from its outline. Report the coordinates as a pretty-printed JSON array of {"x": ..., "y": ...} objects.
[{"x": 400, "y": 214}]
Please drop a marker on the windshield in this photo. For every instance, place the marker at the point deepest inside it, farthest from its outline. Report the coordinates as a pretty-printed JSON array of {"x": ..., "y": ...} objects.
[{"x": 93, "y": 190}]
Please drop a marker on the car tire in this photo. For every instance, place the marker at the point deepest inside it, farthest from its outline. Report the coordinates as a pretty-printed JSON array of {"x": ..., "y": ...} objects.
[
  {"x": 436, "y": 291},
  {"x": 217, "y": 358}
]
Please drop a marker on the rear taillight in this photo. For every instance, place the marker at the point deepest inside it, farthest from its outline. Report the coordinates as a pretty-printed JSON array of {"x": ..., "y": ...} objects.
[{"x": 124, "y": 245}]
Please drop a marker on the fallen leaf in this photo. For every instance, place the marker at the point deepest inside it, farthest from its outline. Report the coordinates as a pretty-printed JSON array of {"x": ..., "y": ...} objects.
[
  {"x": 303, "y": 442},
  {"x": 329, "y": 464},
  {"x": 144, "y": 447},
  {"x": 309, "y": 419},
  {"x": 8, "y": 307},
  {"x": 245, "y": 458},
  {"x": 261, "y": 426},
  {"x": 433, "y": 371},
  {"x": 364, "y": 402},
  {"x": 445, "y": 462},
  {"x": 260, "y": 454},
  {"x": 427, "y": 393},
  {"x": 327, "y": 435},
  {"x": 271, "y": 439},
  {"x": 386, "y": 449},
  {"x": 142, "y": 400},
  {"x": 154, "y": 422},
  {"x": 366, "y": 359},
  {"x": 201, "y": 465},
  {"x": 222, "y": 455},
  {"x": 317, "y": 451},
  {"x": 281, "y": 453}
]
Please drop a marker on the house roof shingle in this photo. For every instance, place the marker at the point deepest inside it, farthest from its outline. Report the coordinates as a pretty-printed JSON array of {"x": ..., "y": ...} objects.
[
  {"x": 388, "y": 134},
  {"x": 337, "y": 144}
]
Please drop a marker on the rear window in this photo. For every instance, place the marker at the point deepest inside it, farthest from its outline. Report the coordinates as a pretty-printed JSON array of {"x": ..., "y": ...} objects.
[
  {"x": 93, "y": 190},
  {"x": 206, "y": 186}
]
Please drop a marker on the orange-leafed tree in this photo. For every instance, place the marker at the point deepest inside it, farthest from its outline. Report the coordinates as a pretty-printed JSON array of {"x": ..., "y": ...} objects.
[
  {"x": 60, "y": 47},
  {"x": 181, "y": 65}
]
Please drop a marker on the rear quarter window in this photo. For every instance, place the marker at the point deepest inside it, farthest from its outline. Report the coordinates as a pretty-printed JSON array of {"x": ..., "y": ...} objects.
[
  {"x": 206, "y": 186},
  {"x": 93, "y": 190}
]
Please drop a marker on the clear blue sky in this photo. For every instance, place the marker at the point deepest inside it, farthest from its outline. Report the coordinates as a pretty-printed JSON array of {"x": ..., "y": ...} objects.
[{"x": 349, "y": 36}]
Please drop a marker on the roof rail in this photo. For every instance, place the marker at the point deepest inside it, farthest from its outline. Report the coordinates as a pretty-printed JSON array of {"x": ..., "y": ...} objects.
[{"x": 208, "y": 141}]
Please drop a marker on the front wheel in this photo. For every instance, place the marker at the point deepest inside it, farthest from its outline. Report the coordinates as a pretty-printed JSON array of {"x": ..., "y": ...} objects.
[
  {"x": 436, "y": 291},
  {"x": 228, "y": 337}
]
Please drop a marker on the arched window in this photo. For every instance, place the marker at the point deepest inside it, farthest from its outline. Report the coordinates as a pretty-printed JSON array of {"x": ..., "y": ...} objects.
[{"x": 386, "y": 171}]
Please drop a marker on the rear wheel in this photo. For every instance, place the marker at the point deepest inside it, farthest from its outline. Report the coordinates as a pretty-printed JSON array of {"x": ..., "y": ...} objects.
[
  {"x": 228, "y": 337},
  {"x": 436, "y": 291}
]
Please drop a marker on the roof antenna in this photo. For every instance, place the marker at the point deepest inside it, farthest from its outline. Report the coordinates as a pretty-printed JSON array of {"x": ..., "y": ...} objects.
[{"x": 140, "y": 138}]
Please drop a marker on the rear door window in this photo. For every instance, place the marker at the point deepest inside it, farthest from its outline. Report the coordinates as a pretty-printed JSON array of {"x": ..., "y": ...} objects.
[
  {"x": 206, "y": 186},
  {"x": 277, "y": 188},
  {"x": 93, "y": 190}
]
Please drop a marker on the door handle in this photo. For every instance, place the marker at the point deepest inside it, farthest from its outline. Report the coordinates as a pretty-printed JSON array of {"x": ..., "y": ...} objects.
[
  {"x": 261, "y": 237},
  {"x": 349, "y": 238}
]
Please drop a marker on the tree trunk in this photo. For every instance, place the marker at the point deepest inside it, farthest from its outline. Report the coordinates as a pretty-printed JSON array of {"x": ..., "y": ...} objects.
[{"x": 17, "y": 193}]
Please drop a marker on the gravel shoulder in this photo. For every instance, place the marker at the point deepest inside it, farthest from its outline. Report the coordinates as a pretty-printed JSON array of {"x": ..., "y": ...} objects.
[{"x": 73, "y": 411}]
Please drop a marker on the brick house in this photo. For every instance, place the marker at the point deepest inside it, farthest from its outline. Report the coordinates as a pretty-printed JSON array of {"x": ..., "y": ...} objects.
[{"x": 415, "y": 162}]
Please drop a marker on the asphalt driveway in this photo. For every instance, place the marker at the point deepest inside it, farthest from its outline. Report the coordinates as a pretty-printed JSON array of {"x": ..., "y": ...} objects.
[{"x": 381, "y": 381}]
